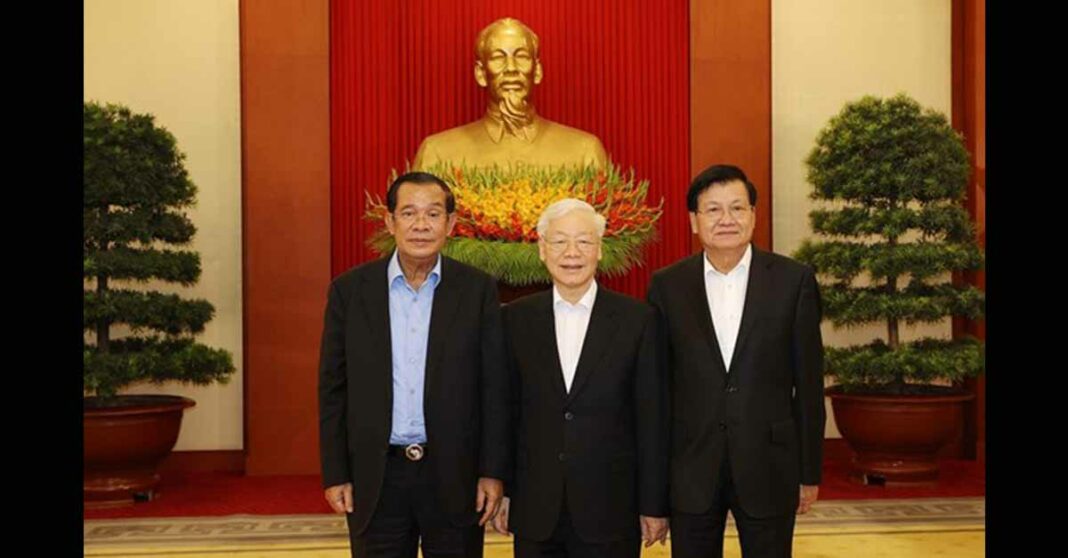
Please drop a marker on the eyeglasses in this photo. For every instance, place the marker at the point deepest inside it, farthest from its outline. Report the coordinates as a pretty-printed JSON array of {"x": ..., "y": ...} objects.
[
  {"x": 559, "y": 245},
  {"x": 716, "y": 213},
  {"x": 408, "y": 216}
]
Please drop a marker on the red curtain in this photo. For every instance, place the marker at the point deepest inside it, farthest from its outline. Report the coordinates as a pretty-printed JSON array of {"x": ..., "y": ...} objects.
[{"x": 403, "y": 70}]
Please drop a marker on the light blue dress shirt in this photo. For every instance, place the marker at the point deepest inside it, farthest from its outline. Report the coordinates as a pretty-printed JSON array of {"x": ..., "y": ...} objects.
[{"x": 409, "y": 328}]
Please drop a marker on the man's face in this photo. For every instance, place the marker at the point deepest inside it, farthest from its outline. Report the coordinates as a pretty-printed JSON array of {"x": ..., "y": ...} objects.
[
  {"x": 508, "y": 66},
  {"x": 420, "y": 223},
  {"x": 571, "y": 249},
  {"x": 724, "y": 220}
]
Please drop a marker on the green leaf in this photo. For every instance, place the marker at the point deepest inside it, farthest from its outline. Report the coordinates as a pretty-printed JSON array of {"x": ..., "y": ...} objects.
[
  {"x": 894, "y": 175},
  {"x": 143, "y": 264},
  {"x": 134, "y": 190},
  {"x": 921, "y": 260},
  {"x": 919, "y": 303},
  {"x": 153, "y": 360},
  {"x": 868, "y": 367},
  {"x": 165, "y": 313},
  {"x": 888, "y": 150},
  {"x": 129, "y": 161},
  {"x": 946, "y": 222},
  {"x": 142, "y": 225}
]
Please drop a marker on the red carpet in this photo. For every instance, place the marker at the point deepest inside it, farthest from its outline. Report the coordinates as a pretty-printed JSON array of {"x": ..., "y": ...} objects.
[{"x": 202, "y": 494}]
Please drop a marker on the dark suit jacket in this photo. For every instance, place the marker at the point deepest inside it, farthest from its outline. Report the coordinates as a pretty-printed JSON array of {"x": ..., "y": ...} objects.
[
  {"x": 605, "y": 440},
  {"x": 768, "y": 412},
  {"x": 466, "y": 391}
]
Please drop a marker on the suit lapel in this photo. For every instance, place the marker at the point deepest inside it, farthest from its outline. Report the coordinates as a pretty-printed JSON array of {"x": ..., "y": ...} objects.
[
  {"x": 695, "y": 292},
  {"x": 598, "y": 338},
  {"x": 755, "y": 294},
  {"x": 446, "y": 300},
  {"x": 544, "y": 332},
  {"x": 375, "y": 294}
]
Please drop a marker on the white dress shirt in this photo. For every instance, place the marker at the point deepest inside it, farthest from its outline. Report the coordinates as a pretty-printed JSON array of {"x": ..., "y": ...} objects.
[
  {"x": 726, "y": 299},
  {"x": 572, "y": 320}
]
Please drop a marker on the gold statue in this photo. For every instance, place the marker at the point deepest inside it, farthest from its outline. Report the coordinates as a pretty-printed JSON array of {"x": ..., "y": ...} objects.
[{"x": 511, "y": 131}]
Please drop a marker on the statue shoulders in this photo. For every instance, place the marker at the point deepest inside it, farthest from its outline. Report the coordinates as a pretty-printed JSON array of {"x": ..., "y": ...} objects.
[
  {"x": 450, "y": 144},
  {"x": 467, "y": 132},
  {"x": 574, "y": 140},
  {"x": 470, "y": 143},
  {"x": 556, "y": 130}
]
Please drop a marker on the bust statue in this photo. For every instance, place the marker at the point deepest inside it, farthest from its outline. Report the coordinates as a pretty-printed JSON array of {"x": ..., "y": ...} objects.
[{"x": 511, "y": 131}]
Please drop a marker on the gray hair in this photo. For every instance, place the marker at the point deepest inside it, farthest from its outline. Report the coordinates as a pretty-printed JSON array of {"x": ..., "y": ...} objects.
[{"x": 558, "y": 209}]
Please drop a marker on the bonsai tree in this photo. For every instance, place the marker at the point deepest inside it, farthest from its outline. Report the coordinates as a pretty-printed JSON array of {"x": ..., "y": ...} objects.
[
  {"x": 894, "y": 229},
  {"x": 135, "y": 188}
]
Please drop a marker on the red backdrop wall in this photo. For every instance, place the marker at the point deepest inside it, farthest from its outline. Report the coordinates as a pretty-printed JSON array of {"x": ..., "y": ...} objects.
[
  {"x": 323, "y": 118},
  {"x": 401, "y": 71}
]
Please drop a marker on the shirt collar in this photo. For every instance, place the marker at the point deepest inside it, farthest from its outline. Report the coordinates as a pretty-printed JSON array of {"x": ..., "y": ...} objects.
[
  {"x": 497, "y": 124},
  {"x": 393, "y": 271},
  {"x": 742, "y": 266},
  {"x": 586, "y": 301}
]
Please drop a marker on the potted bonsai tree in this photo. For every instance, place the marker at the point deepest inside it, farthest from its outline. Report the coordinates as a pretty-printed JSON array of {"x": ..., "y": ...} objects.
[
  {"x": 134, "y": 190},
  {"x": 889, "y": 235}
]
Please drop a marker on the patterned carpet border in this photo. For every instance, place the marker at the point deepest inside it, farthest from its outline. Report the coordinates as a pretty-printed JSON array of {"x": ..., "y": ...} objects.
[{"x": 826, "y": 518}]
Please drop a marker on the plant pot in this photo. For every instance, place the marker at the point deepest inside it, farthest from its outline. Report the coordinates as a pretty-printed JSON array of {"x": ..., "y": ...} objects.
[
  {"x": 896, "y": 438},
  {"x": 125, "y": 441}
]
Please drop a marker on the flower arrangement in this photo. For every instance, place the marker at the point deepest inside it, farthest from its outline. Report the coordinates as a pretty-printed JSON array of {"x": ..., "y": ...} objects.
[{"x": 497, "y": 212}]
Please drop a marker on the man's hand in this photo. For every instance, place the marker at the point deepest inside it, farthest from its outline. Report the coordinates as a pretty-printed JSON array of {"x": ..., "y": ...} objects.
[
  {"x": 809, "y": 495},
  {"x": 488, "y": 498},
  {"x": 500, "y": 521},
  {"x": 654, "y": 529},
  {"x": 340, "y": 497}
]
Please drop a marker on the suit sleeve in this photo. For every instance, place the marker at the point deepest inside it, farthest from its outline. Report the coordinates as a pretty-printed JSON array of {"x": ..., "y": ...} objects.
[
  {"x": 809, "y": 411},
  {"x": 495, "y": 458},
  {"x": 654, "y": 297},
  {"x": 651, "y": 422},
  {"x": 333, "y": 436},
  {"x": 514, "y": 397}
]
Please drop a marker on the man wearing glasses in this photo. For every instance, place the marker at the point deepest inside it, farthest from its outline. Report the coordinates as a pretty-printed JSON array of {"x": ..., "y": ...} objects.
[
  {"x": 590, "y": 399},
  {"x": 413, "y": 419},
  {"x": 745, "y": 362}
]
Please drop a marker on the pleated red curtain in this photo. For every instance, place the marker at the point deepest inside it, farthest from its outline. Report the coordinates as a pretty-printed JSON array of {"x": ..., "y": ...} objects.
[{"x": 403, "y": 70}]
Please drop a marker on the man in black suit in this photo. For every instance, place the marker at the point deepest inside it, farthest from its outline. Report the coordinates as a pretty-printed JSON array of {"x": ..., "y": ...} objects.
[
  {"x": 413, "y": 390},
  {"x": 591, "y": 405},
  {"x": 745, "y": 361}
]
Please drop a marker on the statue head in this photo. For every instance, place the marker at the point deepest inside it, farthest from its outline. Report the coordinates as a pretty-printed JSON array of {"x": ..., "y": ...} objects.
[{"x": 506, "y": 62}]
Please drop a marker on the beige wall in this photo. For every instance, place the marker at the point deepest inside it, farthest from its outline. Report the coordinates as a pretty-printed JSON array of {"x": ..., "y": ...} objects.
[
  {"x": 825, "y": 53},
  {"x": 178, "y": 60}
]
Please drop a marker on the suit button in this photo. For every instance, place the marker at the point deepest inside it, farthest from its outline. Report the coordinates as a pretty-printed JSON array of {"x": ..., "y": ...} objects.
[
  {"x": 732, "y": 389},
  {"x": 568, "y": 416},
  {"x": 563, "y": 456},
  {"x": 722, "y": 426}
]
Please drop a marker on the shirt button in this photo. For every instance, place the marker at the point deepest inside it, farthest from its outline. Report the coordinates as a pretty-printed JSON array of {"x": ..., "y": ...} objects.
[
  {"x": 722, "y": 426},
  {"x": 568, "y": 416},
  {"x": 413, "y": 330},
  {"x": 563, "y": 456},
  {"x": 411, "y": 392},
  {"x": 411, "y": 361}
]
